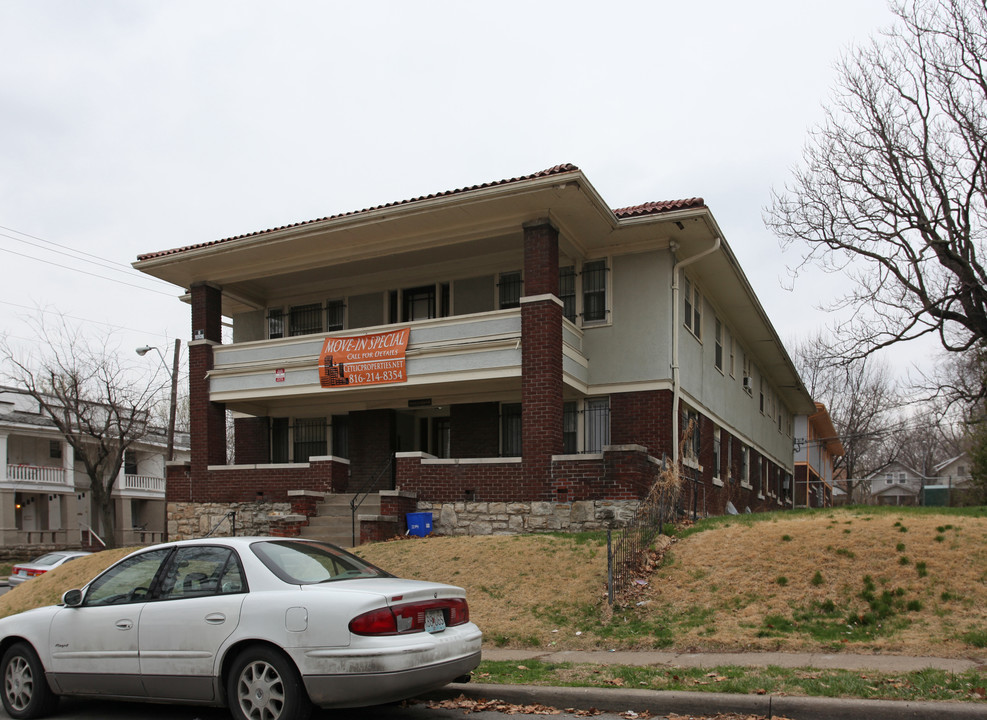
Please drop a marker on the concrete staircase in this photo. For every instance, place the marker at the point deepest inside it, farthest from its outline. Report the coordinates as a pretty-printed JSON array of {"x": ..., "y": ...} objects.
[{"x": 333, "y": 520}]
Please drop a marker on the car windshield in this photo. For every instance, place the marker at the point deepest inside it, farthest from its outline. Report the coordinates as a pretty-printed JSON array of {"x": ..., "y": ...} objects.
[{"x": 306, "y": 563}]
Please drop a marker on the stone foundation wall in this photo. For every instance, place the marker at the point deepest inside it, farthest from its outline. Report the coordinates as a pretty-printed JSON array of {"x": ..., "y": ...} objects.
[
  {"x": 187, "y": 520},
  {"x": 505, "y": 518}
]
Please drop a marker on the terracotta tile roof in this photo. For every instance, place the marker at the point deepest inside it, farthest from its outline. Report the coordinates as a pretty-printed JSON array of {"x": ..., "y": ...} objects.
[
  {"x": 637, "y": 210},
  {"x": 654, "y": 208}
]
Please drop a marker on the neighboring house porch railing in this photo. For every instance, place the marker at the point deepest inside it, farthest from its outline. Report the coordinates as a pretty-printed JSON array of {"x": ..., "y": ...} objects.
[
  {"x": 43, "y": 474},
  {"x": 147, "y": 483}
]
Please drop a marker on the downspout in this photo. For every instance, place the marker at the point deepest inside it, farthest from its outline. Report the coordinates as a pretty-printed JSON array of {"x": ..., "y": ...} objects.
[{"x": 676, "y": 329}]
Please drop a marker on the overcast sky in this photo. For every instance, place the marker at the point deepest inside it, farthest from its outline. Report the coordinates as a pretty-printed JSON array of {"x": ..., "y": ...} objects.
[{"x": 135, "y": 126}]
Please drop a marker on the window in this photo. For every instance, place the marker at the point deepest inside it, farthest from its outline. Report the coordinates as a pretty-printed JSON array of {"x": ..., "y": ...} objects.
[
  {"x": 335, "y": 315},
  {"x": 595, "y": 291},
  {"x": 761, "y": 394},
  {"x": 570, "y": 428},
  {"x": 341, "y": 436},
  {"x": 567, "y": 292},
  {"x": 691, "y": 429},
  {"x": 733, "y": 352},
  {"x": 124, "y": 582},
  {"x": 419, "y": 303},
  {"x": 718, "y": 353},
  {"x": 693, "y": 309},
  {"x": 510, "y": 429},
  {"x": 745, "y": 465},
  {"x": 730, "y": 460},
  {"x": 889, "y": 479},
  {"x": 309, "y": 439},
  {"x": 441, "y": 437},
  {"x": 55, "y": 449},
  {"x": 200, "y": 571},
  {"x": 129, "y": 462},
  {"x": 509, "y": 288},
  {"x": 596, "y": 418},
  {"x": 275, "y": 323},
  {"x": 305, "y": 319},
  {"x": 279, "y": 440},
  {"x": 716, "y": 452},
  {"x": 901, "y": 478}
]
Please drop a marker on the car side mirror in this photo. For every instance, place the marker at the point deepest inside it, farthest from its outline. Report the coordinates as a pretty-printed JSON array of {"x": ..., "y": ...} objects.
[{"x": 72, "y": 598}]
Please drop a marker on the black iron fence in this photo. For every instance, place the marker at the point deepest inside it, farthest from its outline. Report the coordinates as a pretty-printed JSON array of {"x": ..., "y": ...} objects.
[{"x": 629, "y": 547}]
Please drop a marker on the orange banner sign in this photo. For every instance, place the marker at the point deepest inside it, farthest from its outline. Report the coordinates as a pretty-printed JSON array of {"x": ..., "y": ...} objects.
[{"x": 364, "y": 359}]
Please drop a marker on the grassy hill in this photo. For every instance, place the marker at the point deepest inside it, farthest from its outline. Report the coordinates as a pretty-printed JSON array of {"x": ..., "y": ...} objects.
[{"x": 889, "y": 580}]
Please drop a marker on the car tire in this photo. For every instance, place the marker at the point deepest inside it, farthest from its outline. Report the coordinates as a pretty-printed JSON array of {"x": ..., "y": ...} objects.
[
  {"x": 263, "y": 684},
  {"x": 26, "y": 693}
]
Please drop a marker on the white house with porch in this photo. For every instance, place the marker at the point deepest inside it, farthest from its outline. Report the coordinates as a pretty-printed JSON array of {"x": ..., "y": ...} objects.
[{"x": 45, "y": 497}]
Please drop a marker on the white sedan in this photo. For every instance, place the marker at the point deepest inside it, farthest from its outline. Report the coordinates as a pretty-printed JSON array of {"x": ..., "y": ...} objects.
[{"x": 269, "y": 627}]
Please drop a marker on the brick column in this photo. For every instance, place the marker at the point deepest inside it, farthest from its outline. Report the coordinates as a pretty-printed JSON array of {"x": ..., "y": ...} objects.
[
  {"x": 208, "y": 419},
  {"x": 541, "y": 356}
]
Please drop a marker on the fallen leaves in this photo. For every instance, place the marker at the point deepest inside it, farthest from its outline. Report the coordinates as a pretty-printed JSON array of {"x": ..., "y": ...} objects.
[{"x": 469, "y": 705}]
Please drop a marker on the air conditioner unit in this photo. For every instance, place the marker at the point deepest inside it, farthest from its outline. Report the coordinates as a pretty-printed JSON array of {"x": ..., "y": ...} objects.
[{"x": 747, "y": 382}]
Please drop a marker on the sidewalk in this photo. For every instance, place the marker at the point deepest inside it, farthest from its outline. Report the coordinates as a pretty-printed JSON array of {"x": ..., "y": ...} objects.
[{"x": 661, "y": 703}]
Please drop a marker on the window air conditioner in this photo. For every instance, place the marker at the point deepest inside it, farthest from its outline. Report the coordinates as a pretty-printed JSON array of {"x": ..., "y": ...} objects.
[{"x": 747, "y": 382}]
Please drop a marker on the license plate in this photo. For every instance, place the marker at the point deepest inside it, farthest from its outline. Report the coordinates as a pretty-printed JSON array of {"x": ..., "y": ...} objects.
[{"x": 435, "y": 621}]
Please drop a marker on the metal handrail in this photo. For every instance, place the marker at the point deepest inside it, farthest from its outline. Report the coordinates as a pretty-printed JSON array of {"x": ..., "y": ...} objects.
[
  {"x": 91, "y": 532},
  {"x": 363, "y": 492},
  {"x": 231, "y": 516}
]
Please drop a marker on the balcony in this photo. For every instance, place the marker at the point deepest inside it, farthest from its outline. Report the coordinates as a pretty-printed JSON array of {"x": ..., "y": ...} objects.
[
  {"x": 34, "y": 475},
  {"x": 483, "y": 346},
  {"x": 142, "y": 485}
]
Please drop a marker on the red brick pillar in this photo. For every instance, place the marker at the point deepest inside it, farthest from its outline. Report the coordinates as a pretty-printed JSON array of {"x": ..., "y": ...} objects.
[
  {"x": 208, "y": 419},
  {"x": 541, "y": 356}
]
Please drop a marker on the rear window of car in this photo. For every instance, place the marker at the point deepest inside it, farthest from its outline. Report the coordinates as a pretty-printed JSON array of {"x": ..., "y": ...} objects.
[
  {"x": 49, "y": 559},
  {"x": 305, "y": 563}
]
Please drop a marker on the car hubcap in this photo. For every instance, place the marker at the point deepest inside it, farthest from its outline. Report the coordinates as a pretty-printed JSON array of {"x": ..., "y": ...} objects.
[
  {"x": 260, "y": 691},
  {"x": 18, "y": 683}
]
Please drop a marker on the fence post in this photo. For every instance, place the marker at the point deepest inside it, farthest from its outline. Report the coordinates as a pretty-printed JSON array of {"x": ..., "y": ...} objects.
[{"x": 610, "y": 566}]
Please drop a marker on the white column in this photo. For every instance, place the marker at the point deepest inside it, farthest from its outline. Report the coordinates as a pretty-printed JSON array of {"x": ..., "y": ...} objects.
[
  {"x": 68, "y": 463},
  {"x": 3, "y": 457}
]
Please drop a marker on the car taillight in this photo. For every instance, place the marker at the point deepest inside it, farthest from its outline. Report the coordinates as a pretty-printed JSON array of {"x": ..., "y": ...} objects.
[
  {"x": 410, "y": 617},
  {"x": 30, "y": 572}
]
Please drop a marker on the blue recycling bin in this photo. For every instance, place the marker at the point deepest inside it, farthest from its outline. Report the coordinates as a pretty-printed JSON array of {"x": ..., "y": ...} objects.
[{"x": 419, "y": 524}]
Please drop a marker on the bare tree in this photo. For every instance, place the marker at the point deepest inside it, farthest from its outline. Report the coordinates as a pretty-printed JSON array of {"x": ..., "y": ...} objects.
[
  {"x": 863, "y": 402},
  {"x": 893, "y": 188},
  {"x": 90, "y": 396}
]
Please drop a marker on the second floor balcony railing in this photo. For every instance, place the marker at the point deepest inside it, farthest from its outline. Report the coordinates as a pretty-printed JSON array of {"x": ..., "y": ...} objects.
[
  {"x": 40, "y": 474},
  {"x": 144, "y": 483}
]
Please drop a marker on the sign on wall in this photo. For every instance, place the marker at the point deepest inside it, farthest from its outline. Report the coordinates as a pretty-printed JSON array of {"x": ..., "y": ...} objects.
[{"x": 364, "y": 360}]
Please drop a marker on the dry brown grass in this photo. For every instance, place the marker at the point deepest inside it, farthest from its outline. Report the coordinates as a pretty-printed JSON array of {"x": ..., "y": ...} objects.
[
  {"x": 732, "y": 573},
  {"x": 714, "y": 592}
]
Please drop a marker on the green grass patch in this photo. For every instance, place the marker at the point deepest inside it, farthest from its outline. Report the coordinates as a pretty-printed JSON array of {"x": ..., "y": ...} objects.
[{"x": 773, "y": 680}]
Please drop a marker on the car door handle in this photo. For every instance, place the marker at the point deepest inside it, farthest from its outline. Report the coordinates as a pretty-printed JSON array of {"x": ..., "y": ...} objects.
[
  {"x": 215, "y": 618},
  {"x": 124, "y": 624}
]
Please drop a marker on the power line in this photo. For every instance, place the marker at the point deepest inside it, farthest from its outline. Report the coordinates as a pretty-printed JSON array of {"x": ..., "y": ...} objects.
[
  {"x": 125, "y": 268},
  {"x": 86, "y": 320},
  {"x": 90, "y": 274}
]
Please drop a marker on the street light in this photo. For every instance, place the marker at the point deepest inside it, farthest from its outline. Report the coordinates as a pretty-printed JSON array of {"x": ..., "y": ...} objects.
[{"x": 142, "y": 351}]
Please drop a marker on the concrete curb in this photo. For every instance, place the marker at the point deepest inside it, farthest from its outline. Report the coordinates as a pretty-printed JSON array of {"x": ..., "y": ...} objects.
[{"x": 661, "y": 703}]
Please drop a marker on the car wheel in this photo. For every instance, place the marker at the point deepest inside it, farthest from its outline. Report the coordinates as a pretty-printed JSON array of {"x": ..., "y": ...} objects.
[
  {"x": 25, "y": 690},
  {"x": 264, "y": 685}
]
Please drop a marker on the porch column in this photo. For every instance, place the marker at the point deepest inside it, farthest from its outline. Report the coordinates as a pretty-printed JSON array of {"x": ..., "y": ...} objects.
[
  {"x": 541, "y": 356},
  {"x": 208, "y": 419},
  {"x": 8, "y": 519},
  {"x": 68, "y": 464}
]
